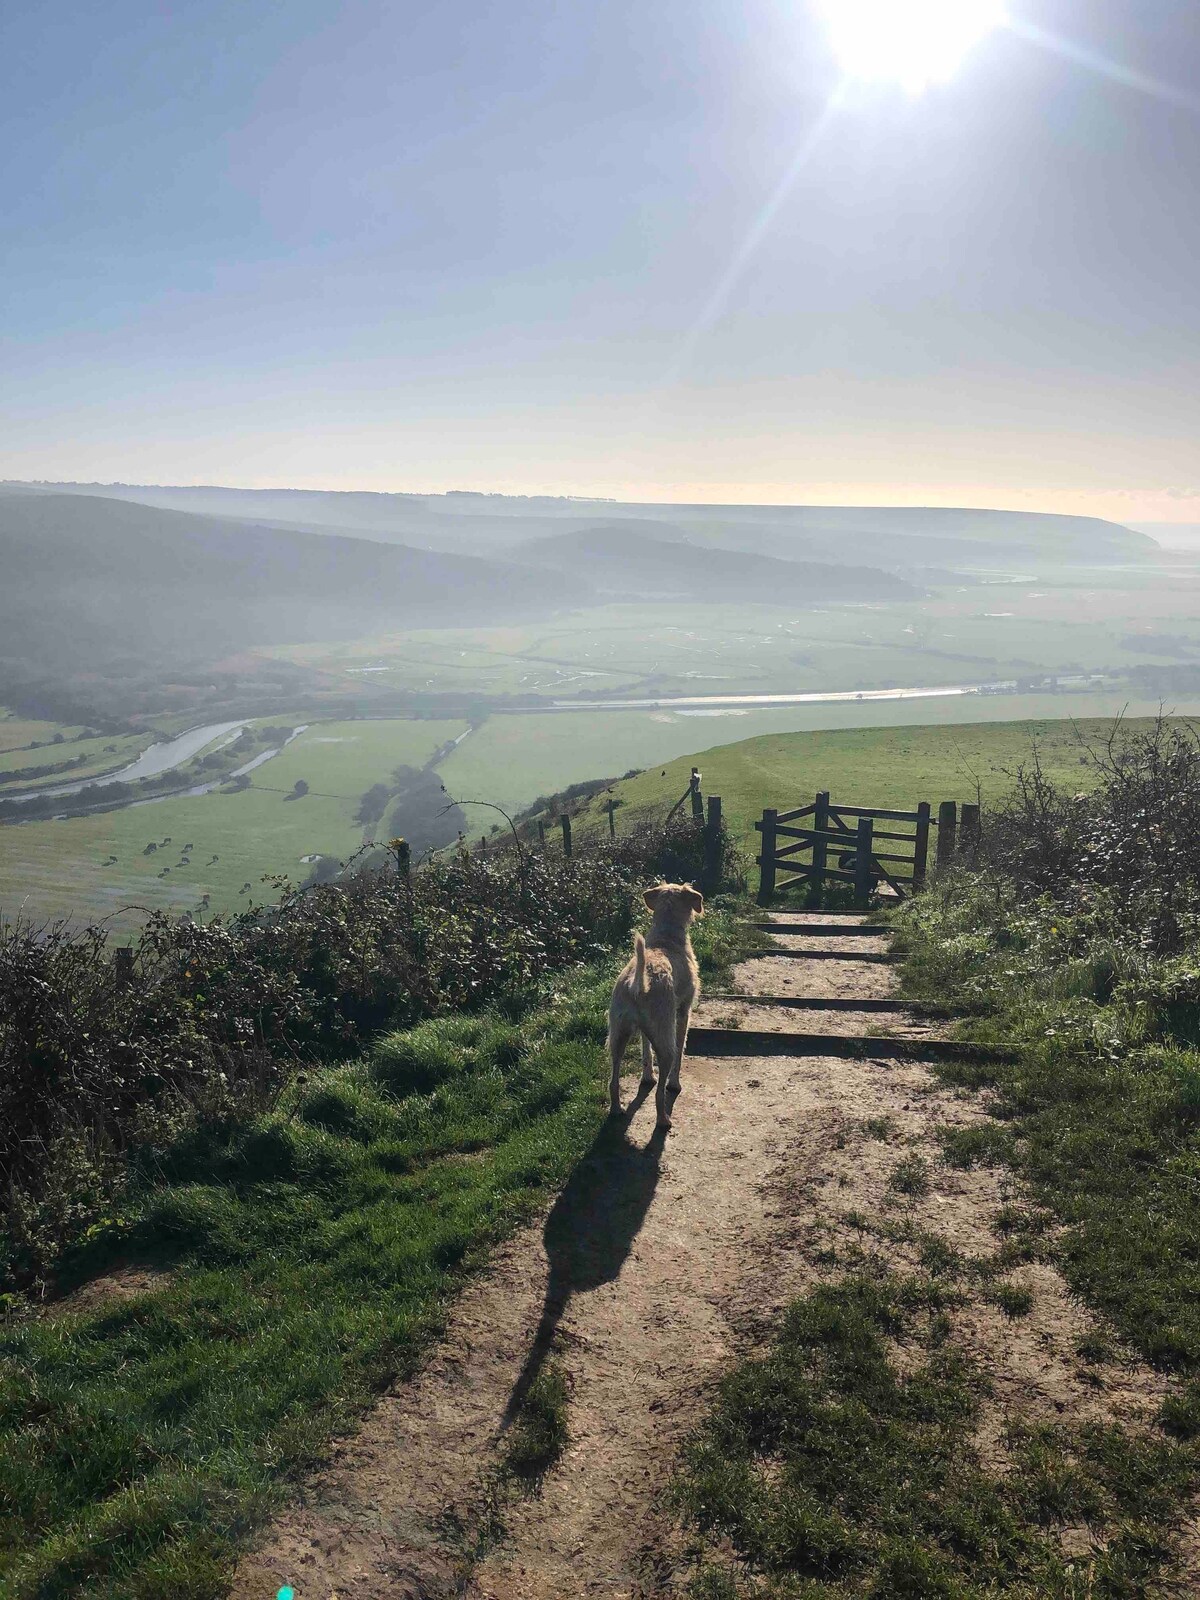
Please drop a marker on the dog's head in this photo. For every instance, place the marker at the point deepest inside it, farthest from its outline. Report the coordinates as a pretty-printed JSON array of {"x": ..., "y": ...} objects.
[{"x": 675, "y": 902}]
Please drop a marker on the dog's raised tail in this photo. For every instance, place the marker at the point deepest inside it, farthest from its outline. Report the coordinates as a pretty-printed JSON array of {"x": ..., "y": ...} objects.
[{"x": 639, "y": 955}]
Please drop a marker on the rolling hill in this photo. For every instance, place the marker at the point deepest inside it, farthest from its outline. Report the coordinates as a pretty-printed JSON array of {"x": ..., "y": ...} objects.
[
  {"x": 620, "y": 559},
  {"x": 87, "y": 579}
]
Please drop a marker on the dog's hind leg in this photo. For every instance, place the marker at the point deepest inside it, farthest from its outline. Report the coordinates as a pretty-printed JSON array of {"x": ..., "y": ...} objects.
[
  {"x": 683, "y": 1017},
  {"x": 647, "y": 1067},
  {"x": 620, "y": 1031},
  {"x": 662, "y": 1037}
]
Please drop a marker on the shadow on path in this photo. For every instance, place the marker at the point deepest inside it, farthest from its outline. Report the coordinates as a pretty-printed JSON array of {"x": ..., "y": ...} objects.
[{"x": 591, "y": 1228}]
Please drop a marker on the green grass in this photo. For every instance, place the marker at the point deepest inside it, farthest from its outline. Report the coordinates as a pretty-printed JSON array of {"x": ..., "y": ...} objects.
[
  {"x": 842, "y": 1463},
  {"x": 877, "y": 766},
  {"x": 955, "y": 634},
  {"x": 17, "y": 731},
  {"x": 62, "y": 868},
  {"x": 539, "y": 1434}
]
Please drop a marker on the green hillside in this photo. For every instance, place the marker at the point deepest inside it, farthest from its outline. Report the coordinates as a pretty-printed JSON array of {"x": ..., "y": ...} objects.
[{"x": 873, "y": 766}]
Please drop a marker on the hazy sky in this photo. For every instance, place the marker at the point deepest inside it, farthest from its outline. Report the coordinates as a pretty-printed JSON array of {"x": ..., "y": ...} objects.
[{"x": 481, "y": 245}]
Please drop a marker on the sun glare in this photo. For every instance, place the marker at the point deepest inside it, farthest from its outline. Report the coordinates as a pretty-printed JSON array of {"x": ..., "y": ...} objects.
[{"x": 910, "y": 42}]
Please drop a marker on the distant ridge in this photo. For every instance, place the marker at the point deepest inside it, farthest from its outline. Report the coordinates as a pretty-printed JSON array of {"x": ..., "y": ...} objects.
[
  {"x": 621, "y": 559},
  {"x": 900, "y": 538},
  {"x": 86, "y": 577}
]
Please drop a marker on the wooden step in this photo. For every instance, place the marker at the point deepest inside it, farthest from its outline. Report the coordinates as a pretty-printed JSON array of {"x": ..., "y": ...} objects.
[
  {"x": 915, "y": 1008},
  {"x": 854, "y": 1047},
  {"x": 824, "y": 911},
  {"x": 879, "y": 956},
  {"x": 826, "y": 930}
]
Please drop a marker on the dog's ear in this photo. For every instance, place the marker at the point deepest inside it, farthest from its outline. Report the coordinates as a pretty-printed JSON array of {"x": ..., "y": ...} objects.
[
  {"x": 696, "y": 900},
  {"x": 653, "y": 896}
]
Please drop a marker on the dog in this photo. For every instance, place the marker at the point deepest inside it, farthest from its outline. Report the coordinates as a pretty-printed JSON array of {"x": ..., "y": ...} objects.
[{"x": 656, "y": 992}]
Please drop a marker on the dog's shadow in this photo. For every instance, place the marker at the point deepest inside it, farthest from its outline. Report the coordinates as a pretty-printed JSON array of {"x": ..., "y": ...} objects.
[{"x": 591, "y": 1228}]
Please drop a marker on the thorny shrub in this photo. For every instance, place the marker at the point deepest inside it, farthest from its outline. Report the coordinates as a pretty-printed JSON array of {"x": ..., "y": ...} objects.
[{"x": 1128, "y": 849}]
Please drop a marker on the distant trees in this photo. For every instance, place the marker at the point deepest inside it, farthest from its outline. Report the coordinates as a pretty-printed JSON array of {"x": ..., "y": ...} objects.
[{"x": 373, "y": 804}]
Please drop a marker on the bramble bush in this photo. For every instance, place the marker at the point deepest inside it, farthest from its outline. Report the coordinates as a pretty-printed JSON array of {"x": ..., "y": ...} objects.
[
  {"x": 1127, "y": 851},
  {"x": 99, "y": 1078}
]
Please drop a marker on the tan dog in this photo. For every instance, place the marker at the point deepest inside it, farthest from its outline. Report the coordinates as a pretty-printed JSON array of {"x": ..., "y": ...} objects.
[{"x": 656, "y": 993}]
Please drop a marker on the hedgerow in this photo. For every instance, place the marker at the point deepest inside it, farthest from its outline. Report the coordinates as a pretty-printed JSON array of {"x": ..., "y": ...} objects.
[{"x": 101, "y": 1072}]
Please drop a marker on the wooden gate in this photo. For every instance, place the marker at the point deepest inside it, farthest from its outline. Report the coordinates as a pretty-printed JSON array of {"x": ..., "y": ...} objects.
[{"x": 841, "y": 844}]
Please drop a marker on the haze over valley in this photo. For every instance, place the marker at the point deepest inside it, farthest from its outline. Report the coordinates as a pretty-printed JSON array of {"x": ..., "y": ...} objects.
[{"x": 209, "y": 649}]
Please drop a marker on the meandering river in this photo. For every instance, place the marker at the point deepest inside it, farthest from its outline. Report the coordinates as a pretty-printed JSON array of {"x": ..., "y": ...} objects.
[{"x": 158, "y": 758}]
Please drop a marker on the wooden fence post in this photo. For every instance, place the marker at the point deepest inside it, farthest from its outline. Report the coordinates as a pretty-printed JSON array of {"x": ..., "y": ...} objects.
[
  {"x": 947, "y": 831},
  {"x": 566, "y": 832},
  {"x": 820, "y": 850},
  {"x": 921, "y": 846},
  {"x": 970, "y": 829},
  {"x": 864, "y": 849},
  {"x": 766, "y": 879},
  {"x": 612, "y": 819},
  {"x": 123, "y": 965},
  {"x": 697, "y": 797},
  {"x": 712, "y": 844},
  {"x": 483, "y": 845},
  {"x": 402, "y": 851}
]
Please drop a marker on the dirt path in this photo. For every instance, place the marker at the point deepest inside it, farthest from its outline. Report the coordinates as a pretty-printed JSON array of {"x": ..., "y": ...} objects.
[{"x": 660, "y": 1263}]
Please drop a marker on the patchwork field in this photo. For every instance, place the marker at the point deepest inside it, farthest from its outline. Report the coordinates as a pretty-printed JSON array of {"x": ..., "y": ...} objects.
[
  {"x": 884, "y": 752},
  {"x": 957, "y": 633},
  {"x": 64, "y": 868},
  {"x": 105, "y": 753}
]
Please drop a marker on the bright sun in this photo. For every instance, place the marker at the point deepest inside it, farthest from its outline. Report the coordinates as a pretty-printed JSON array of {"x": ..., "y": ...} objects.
[{"x": 911, "y": 42}]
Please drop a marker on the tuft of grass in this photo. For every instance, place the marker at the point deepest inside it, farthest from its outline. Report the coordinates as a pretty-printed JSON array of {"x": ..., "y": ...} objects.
[
  {"x": 1014, "y": 1299},
  {"x": 984, "y": 1144},
  {"x": 881, "y": 1128},
  {"x": 910, "y": 1176},
  {"x": 1180, "y": 1412},
  {"x": 539, "y": 1434}
]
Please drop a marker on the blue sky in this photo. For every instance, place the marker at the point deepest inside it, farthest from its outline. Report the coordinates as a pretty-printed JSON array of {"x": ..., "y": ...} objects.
[{"x": 478, "y": 245}]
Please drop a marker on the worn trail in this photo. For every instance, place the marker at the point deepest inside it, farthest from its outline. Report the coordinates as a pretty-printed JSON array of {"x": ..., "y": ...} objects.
[{"x": 662, "y": 1261}]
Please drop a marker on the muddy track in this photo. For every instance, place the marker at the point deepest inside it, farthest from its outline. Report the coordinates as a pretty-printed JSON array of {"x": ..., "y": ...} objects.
[{"x": 661, "y": 1262}]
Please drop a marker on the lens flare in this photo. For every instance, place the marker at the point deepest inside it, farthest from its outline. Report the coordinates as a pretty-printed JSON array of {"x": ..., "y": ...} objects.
[{"x": 910, "y": 42}]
